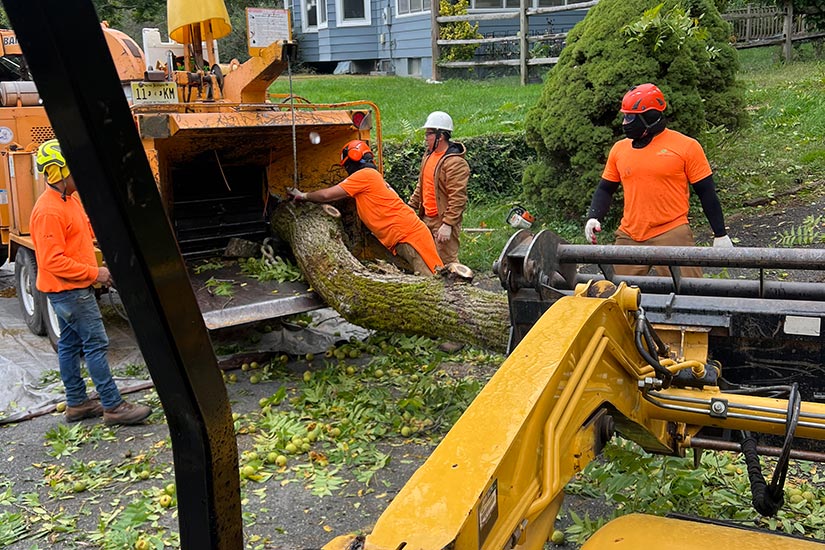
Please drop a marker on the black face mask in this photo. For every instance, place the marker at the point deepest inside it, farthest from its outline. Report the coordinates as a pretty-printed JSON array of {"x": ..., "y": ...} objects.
[{"x": 635, "y": 129}]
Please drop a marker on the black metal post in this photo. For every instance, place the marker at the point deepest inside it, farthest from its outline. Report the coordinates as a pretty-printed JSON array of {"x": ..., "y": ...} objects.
[{"x": 75, "y": 75}]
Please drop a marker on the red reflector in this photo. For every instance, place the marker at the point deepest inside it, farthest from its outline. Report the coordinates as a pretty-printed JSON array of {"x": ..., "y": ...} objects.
[{"x": 360, "y": 120}]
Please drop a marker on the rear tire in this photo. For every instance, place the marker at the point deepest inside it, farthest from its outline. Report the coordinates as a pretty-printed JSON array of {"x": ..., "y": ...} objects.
[
  {"x": 51, "y": 323},
  {"x": 32, "y": 301}
]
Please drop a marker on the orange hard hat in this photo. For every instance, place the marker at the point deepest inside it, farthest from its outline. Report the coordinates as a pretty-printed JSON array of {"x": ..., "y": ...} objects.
[
  {"x": 355, "y": 150},
  {"x": 642, "y": 98}
]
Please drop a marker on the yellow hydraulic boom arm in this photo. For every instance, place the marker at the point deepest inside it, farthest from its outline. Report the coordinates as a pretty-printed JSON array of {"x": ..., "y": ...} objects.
[{"x": 496, "y": 480}]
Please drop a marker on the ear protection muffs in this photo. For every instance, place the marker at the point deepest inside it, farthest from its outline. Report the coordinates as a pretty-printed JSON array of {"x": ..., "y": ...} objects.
[{"x": 354, "y": 151}]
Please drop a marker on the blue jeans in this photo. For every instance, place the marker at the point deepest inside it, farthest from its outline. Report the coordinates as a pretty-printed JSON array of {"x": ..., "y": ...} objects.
[{"x": 81, "y": 330}]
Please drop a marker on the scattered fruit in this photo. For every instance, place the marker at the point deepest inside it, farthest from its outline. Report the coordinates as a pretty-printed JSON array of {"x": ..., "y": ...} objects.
[
  {"x": 61, "y": 407},
  {"x": 248, "y": 470},
  {"x": 557, "y": 537},
  {"x": 379, "y": 373},
  {"x": 291, "y": 448},
  {"x": 170, "y": 489},
  {"x": 144, "y": 474},
  {"x": 263, "y": 402},
  {"x": 310, "y": 356},
  {"x": 307, "y": 375},
  {"x": 254, "y": 379},
  {"x": 272, "y": 458},
  {"x": 79, "y": 487},
  {"x": 406, "y": 431},
  {"x": 245, "y": 367},
  {"x": 165, "y": 501},
  {"x": 280, "y": 461},
  {"x": 142, "y": 544},
  {"x": 254, "y": 365},
  {"x": 350, "y": 370}
]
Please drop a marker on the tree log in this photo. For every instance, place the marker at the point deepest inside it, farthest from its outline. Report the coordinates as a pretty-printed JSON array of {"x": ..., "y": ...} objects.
[{"x": 430, "y": 306}]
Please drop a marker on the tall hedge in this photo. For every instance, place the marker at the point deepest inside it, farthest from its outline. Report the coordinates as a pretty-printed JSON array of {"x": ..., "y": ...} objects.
[
  {"x": 576, "y": 120},
  {"x": 497, "y": 162}
]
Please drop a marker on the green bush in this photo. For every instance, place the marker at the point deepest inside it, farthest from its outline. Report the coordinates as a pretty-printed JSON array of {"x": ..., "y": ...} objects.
[
  {"x": 683, "y": 48},
  {"x": 496, "y": 161}
]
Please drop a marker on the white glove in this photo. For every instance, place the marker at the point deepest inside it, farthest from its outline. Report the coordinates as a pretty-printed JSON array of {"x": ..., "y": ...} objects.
[
  {"x": 295, "y": 194},
  {"x": 444, "y": 233},
  {"x": 722, "y": 242},
  {"x": 591, "y": 228}
]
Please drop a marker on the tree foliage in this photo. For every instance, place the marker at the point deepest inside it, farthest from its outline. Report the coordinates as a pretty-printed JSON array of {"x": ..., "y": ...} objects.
[
  {"x": 682, "y": 48},
  {"x": 814, "y": 11}
]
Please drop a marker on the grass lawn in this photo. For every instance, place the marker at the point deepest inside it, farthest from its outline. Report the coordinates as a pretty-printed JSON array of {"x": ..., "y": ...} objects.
[{"x": 477, "y": 106}]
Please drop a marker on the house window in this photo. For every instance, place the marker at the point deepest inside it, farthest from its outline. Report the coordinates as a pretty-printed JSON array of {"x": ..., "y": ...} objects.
[
  {"x": 512, "y": 4},
  {"x": 315, "y": 15},
  {"x": 406, "y": 7},
  {"x": 353, "y": 12}
]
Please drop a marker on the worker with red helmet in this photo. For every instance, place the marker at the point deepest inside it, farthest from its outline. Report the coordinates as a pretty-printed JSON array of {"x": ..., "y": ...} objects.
[
  {"x": 440, "y": 197},
  {"x": 656, "y": 168},
  {"x": 380, "y": 208}
]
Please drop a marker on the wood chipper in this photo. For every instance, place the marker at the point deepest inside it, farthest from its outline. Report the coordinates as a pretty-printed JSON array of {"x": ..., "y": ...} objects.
[
  {"x": 222, "y": 150},
  {"x": 587, "y": 360}
]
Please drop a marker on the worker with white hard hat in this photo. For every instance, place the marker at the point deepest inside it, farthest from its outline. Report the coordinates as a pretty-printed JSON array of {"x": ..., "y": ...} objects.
[{"x": 440, "y": 197}]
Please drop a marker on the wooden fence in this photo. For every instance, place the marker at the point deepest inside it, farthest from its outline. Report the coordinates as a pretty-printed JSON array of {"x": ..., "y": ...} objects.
[
  {"x": 753, "y": 26},
  {"x": 523, "y": 38}
]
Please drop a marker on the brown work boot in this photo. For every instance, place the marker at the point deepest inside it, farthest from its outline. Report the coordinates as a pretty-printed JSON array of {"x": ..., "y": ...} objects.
[
  {"x": 126, "y": 414},
  {"x": 91, "y": 408}
]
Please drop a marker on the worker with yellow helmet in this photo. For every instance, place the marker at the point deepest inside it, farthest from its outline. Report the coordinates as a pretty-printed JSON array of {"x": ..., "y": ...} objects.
[{"x": 67, "y": 270}]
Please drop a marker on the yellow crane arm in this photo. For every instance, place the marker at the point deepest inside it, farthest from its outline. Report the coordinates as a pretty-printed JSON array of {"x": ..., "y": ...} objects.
[{"x": 497, "y": 478}]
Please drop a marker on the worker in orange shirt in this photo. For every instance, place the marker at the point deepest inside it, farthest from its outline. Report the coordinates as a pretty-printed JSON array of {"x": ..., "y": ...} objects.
[
  {"x": 380, "y": 208},
  {"x": 66, "y": 272},
  {"x": 656, "y": 168}
]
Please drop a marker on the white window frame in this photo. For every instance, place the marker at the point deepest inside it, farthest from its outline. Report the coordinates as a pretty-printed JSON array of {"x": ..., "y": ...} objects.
[
  {"x": 363, "y": 22},
  {"x": 305, "y": 26},
  {"x": 325, "y": 23},
  {"x": 414, "y": 13}
]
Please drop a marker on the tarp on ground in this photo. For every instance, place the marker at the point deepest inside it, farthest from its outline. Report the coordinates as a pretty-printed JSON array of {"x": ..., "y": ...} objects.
[{"x": 28, "y": 366}]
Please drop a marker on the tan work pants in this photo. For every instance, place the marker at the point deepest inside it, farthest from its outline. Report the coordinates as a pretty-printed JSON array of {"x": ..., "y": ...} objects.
[
  {"x": 678, "y": 236},
  {"x": 412, "y": 257},
  {"x": 447, "y": 251}
]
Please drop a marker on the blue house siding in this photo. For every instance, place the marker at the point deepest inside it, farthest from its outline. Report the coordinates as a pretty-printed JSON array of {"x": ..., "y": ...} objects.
[{"x": 401, "y": 44}]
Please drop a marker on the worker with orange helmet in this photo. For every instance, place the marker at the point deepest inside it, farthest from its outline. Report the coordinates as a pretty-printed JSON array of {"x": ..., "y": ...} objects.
[
  {"x": 380, "y": 208},
  {"x": 440, "y": 197},
  {"x": 656, "y": 168},
  {"x": 66, "y": 272}
]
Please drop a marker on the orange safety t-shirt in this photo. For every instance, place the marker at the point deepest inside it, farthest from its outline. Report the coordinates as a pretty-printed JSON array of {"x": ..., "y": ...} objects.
[
  {"x": 428, "y": 200},
  {"x": 655, "y": 181},
  {"x": 63, "y": 243},
  {"x": 386, "y": 215}
]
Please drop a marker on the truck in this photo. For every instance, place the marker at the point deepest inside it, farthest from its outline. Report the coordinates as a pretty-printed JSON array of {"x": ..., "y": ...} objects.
[{"x": 221, "y": 148}]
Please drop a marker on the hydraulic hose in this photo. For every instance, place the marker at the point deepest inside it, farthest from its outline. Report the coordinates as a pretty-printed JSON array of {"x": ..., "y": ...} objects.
[
  {"x": 664, "y": 374},
  {"x": 768, "y": 499}
]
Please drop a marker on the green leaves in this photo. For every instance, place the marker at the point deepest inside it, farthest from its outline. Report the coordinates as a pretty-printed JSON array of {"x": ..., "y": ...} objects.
[
  {"x": 275, "y": 269},
  {"x": 654, "y": 28}
]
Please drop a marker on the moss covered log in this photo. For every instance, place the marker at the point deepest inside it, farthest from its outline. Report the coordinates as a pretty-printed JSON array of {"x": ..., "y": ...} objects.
[{"x": 429, "y": 306}]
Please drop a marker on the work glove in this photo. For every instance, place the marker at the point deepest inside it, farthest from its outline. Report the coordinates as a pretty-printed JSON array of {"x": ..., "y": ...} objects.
[
  {"x": 591, "y": 228},
  {"x": 722, "y": 242},
  {"x": 295, "y": 194},
  {"x": 444, "y": 233}
]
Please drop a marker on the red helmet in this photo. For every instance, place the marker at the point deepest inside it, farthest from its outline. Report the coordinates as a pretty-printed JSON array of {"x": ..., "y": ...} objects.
[
  {"x": 642, "y": 98},
  {"x": 355, "y": 150}
]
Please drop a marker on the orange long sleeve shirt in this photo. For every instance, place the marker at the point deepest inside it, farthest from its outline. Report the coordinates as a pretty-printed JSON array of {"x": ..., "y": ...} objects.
[{"x": 63, "y": 243}]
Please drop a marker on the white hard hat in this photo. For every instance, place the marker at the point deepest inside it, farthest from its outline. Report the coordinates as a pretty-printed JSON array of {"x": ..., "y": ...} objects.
[{"x": 439, "y": 120}]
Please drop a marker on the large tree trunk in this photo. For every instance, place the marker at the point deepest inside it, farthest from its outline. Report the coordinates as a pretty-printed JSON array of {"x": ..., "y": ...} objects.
[{"x": 430, "y": 306}]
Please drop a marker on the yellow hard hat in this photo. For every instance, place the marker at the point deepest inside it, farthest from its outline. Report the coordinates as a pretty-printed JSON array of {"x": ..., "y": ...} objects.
[{"x": 51, "y": 162}]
